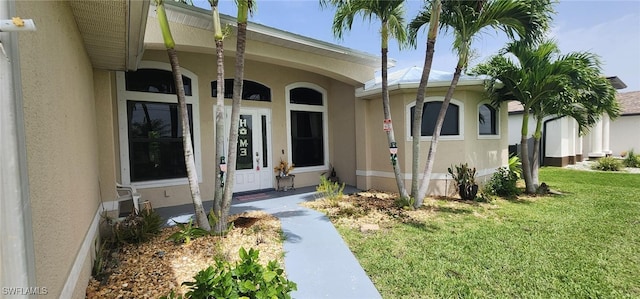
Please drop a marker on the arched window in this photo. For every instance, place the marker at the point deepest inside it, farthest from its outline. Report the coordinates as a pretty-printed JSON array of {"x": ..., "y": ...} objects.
[
  {"x": 307, "y": 120},
  {"x": 487, "y": 120},
  {"x": 155, "y": 81},
  {"x": 451, "y": 125},
  {"x": 251, "y": 90}
]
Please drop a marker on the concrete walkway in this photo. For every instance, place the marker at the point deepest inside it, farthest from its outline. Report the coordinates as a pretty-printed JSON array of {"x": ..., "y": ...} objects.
[{"x": 316, "y": 257}]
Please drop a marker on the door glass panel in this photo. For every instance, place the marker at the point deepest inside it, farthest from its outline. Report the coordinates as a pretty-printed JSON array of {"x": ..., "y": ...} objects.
[
  {"x": 264, "y": 142},
  {"x": 245, "y": 143}
]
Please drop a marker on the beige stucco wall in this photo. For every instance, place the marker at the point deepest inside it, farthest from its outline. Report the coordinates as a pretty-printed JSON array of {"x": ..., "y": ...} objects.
[
  {"x": 61, "y": 141},
  {"x": 374, "y": 167},
  {"x": 341, "y": 123},
  {"x": 196, "y": 40}
]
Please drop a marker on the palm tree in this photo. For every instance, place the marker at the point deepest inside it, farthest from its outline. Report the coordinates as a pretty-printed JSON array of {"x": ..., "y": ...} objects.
[
  {"x": 192, "y": 175},
  {"x": 547, "y": 83},
  {"x": 391, "y": 16},
  {"x": 245, "y": 7},
  {"x": 466, "y": 19},
  {"x": 218, "y": 36},
  {"x": 431, "y": 15}
]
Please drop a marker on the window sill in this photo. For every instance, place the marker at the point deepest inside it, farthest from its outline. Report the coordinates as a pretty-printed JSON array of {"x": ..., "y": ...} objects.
[
  {"x": 488, "y": 137},
  {"x": 309, "y": 169},
  {"x": 162, "y": 183},
  {"x": 442, "y": 138}
]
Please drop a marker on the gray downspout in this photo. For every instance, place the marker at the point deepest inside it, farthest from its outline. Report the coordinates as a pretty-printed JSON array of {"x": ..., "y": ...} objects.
[{"x": 17, "y": 256}]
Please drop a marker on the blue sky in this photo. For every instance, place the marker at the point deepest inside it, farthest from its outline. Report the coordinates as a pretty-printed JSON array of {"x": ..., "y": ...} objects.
[{"x": 608, "y": 28}]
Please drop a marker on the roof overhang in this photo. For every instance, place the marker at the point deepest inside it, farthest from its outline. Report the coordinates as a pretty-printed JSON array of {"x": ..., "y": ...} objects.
[
  {"x": 616, "y": 82},
  {"x": 270, "y": 45},
  {"x": 112, "y": 31},
  {"x": 410, "y": 86}
]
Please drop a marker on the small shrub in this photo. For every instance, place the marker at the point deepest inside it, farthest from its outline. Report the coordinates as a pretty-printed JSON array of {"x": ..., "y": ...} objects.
[
  {"x": 138, "y": 228},
  {"x": 515, "y": 166},
  {"x": 465, "y": 179},
  {"x": 485, "y": 195},
  {"x": 502, "y": 183},
  {"x": 406, "y": 203},
  {"x": 631, "y": 159},
  {"x": 331, "y": 191},
  {"x": 607, "y": 164},
  {"x": 187, "y": 232},
  {"x": 247, "y": 279}
]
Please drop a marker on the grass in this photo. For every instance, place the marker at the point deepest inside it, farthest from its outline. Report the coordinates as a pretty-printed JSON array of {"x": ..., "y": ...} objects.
[{"x": 585, "y": 243}]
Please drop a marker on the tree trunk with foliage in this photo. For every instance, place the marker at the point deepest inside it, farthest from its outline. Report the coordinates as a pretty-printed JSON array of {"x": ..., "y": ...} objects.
[
  {"x": 422, "y": 87},
  {"x": 244, "y": 7},
  {"x": 192, "y": 175},
  {"x": 219, "y": 111}
]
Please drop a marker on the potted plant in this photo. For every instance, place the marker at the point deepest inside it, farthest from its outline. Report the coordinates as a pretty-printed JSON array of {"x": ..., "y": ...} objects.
[
  {"x": 465, "y": 179},
  {"x": 283, "y": 168}
]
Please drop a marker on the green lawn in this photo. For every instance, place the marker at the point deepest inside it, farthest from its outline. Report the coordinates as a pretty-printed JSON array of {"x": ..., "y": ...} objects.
[{"x": 583, "y": 244}]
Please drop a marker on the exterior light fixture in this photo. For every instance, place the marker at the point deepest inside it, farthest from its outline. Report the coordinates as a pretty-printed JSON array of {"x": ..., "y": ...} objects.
[{"x": 393, "y": 150}]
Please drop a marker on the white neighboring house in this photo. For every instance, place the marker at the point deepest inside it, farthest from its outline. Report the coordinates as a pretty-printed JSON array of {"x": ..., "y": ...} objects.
[{"x": 561, "y": 144}]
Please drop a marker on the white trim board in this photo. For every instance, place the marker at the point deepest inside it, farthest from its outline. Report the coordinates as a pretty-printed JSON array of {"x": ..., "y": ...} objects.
[
  {"x": 81, "y": 257},
  {"x": 407, "y": 176}
]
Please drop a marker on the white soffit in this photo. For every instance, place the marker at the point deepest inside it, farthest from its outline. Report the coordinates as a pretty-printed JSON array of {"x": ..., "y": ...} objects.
[{"x": 112, "y": 31}]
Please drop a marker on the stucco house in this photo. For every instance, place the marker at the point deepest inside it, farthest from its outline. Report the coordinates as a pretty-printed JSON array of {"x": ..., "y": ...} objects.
[
  {"x": 473, "y": 131},
  {"x": 561, "y": 144},
  {"x": 88, "y": 101}
]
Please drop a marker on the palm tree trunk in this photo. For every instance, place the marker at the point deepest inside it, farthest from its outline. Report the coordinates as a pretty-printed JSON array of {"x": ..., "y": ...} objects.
[
  {"x": 233, "y": 131},
  {"x": 192, "y": 175},
  {"x": 218, "y": 36},
  {"x": 426, "y": 177},
  {"x": 422, "y": 87},
  {"x": 219, "y": 187},
  {"x": 390, "y": 134},
  {"x": 535, "y": 162},
  {"x": 524, "y": 153}
]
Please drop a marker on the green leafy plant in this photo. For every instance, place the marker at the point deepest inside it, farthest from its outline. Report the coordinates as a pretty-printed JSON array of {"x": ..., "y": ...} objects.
[
  {"x": 502, "y": 183},
  {"x": 465, "y": 178},
  {"x": 246, "y": 279},
  {"x": 485, "y": 194},
  {"x": 187, "y": 232},
  {"x": 406, "y": 203},
  {"x": 607, "y": 164},
  {"x": 515, "y": 166},
  {"x": 138, "y": 228},
  {"x": 631, "y": 159},
  {"x": 331, "y": 191}
]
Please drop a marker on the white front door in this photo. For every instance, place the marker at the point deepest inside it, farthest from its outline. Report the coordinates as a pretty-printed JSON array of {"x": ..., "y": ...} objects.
[{"x": 253, "y": 167}]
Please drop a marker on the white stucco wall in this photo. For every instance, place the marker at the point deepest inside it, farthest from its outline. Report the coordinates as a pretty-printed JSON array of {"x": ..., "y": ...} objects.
[{"x": 625, "y": 134}]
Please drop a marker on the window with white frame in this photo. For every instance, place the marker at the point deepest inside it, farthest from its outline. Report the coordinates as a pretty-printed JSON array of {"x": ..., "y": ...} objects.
[
  {"x": 150, "y": 126},
  {"x": 307, "y": 123},
  {"x": 487, "y": 120},
  {"x": 452, "y": 126}
]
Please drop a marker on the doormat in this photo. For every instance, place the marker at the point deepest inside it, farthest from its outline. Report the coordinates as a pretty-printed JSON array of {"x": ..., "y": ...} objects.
[{"x": 255, "y": 196}]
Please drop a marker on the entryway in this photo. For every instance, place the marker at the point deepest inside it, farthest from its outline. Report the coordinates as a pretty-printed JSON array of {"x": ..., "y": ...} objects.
[{"x": 253, "y": 167}]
